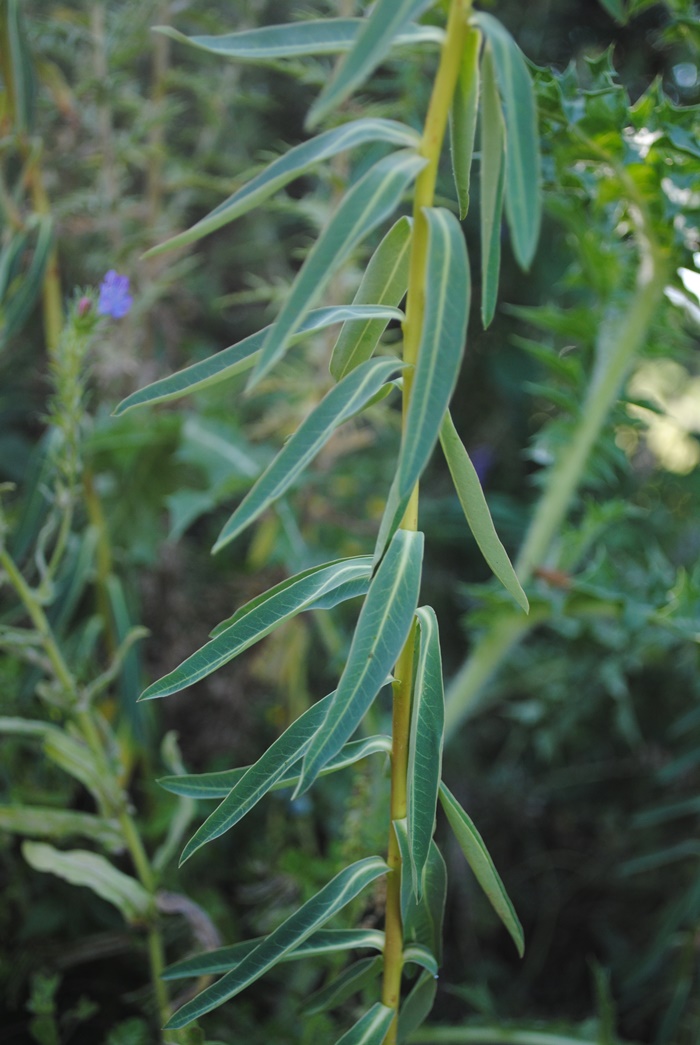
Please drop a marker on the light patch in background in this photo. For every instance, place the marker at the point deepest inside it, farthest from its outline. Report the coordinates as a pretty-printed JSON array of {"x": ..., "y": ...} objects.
[{"x": 671, "y": 432}]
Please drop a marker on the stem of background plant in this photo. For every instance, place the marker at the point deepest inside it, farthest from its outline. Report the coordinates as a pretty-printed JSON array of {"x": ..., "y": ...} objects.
[
  {"x": 93, "y": 738},
  {"x": 617, "y": 346},
  {"x": 430, "y": 148}
]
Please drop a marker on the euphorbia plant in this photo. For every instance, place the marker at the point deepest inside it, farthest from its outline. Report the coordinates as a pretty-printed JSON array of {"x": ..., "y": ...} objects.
[{"x": 481, "y": 78}]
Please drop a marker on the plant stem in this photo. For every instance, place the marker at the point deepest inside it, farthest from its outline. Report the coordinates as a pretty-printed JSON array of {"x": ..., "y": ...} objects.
[{"x": 430, "y": 148}]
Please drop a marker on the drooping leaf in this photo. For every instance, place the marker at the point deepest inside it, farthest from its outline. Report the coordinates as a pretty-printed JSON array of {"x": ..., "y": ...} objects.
[
  {"x": 297, "y": 39},
  {"x": 447, "y": 294},
  {"x": 387, "y": 19},
  {"x": 74, "y": 757},
  {"x": 287, "y": 168},
  {"x": 290, "y": 935},
  {"x": 417, "y": 1006},
  {"x": 425, "y": 744},
  {"x": 384, "y": 283},
  {"x": 418, "y": 954},
  {"x": 259, "y": 617},
  {"x": 476, "y": 511},
  {"x": 240, "y": 357},
  {"x": 465, "y": 107},
  {"x": 342, "y": 402},
  {"x": 322, "y": 942},
  {"x": 40, "y": 822},
  {"x": 492, "y": 180},
  {"x": 367, "y": 203},
  {"x": 382, "y": 628},
  {"x": 341, "y": 987},
  {"x": 472, "y": 845},
  {"x": 422, "y": 919},
  {"x": 370, "y": 1029},
  {"x": 218, "y": 785},
  {"x": 523, "y": 196},
  {"x": 80, "y": 867}
]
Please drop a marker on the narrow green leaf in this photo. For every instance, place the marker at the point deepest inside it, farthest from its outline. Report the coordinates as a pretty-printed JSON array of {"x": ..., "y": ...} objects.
[
  {"x": 472, "y": 845},
  {"x": 325, "y": 941},
  {"x": 492, "y": 181},
  {"x": 218, "y": 785},
  {"x": 342, "y": 402},
  {"x": 341, "y": 987},
  {"x": 523, "y": 189},
  {"x": 382, "y": 628},
  {"x": 290, "y": 935},
  {"x": 417, "y": 1007},
  {"x": 447, "y": 295},
  {"x": 45, "y": 822},
  {"x": 286, "y": 168},
  {"x": 19, "y": 60},
  {"x": 422, "y": 919},
  {"x": 17, "y": 726},
  {"x": 386, "y": 20},
  {"x": 80, "y": 867},
  {"x": 240, "y": 357},
  {"x": 367, "y": 203},
  {"x": 425, "y": 744},
  {"x": 370, "y": 1029},
  {"x": 476, "y": 511},
  {"x": 297, "y": 39},
  {"x": 74, "y": 757},
  {"x": 615, "y": 9},
  {"x": 384, "y": 283},
  {"x": 465, "y": 107},
  {"x": 259, "y": 617},
  {"x": 24, "y": 292},
  {"x": 418, "y": 954}
]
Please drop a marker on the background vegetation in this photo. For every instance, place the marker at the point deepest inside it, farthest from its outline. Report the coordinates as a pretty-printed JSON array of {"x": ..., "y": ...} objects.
[{"x": 579, "y": 760}]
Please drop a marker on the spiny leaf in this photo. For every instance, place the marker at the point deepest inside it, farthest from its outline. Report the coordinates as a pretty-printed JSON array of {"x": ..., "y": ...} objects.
[
  {"x": 472, "y": 845},
  {"x": 465, "y": 106},
  {"x": 240, "y": 357},
  {"x": 259, "y": 617},
  {"x": 523, "y": 197},
  {"x": 384, "y": 283},
  {"x": 382, "y": 628},
  {"x": 286, "y": 168},
  {"x": 387, "y": 19},
  {"x": 476, "y": 511},
  {"x": 425, "y": 744},
  {"x": 367, "y": 203},
  {"x": 342, "y": 402},
  {"x": 291, "y": 934},
  {"x": 492, "y": 180}
]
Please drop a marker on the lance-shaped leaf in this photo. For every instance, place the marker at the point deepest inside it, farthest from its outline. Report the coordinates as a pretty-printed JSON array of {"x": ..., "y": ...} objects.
[
  {"x": 291, "y": 934},
  {"x": 422, "y": 919},
  {"x": 80, "y": 867},
  {"x": 384, "y": 283},
  {"x": 260, "y": 616},
  {"x": 370, "y": 1029},
  {"x": 386, "y": 20},
  {"x": 341, "y": 987},
  {"x": 382, "y": 628},
  {"x": 417, "y": 1006},
  {"x": 287, "y": 168},
  {"x": 465, "y": 107},
  {"x": 325, "y": 941},
  {"x": 39, "y": 822},
  {"x": 240, "y": 357},
  {"x": 297, "y": 39},
  {"x": 367, "y": 203},
  {"x": 523, "y": 195},
  {"x": 476, "y": 511},
  {"x": 218, "y": 785},
  {"x": 492, "y": 175},
  {"x": 447, "y": 296},
  {"x": 425, "y": 745},
  {"x": 472, "y": 845},
  {"x": 418, "y": 954},
  {"x": 342, "y": 402}
]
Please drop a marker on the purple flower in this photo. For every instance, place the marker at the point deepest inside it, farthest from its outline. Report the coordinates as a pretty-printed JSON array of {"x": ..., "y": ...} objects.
[{"x": 115, "y": 299}]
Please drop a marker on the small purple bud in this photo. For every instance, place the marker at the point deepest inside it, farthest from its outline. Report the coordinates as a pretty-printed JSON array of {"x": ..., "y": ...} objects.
[
  {"x": 115, "y": 299},
  {"x": 84, "y": 306}
]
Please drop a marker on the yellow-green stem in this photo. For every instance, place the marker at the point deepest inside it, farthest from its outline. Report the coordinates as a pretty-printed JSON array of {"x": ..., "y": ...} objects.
[{"x": 430, "y": 148}]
